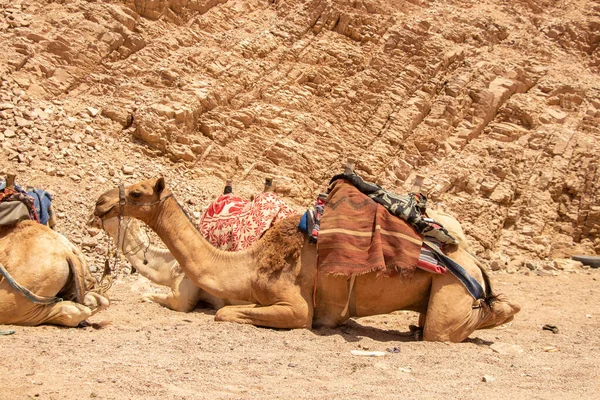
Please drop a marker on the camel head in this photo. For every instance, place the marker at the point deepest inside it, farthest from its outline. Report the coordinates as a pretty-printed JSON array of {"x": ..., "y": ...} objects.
[{"x": 137, "y": 200}]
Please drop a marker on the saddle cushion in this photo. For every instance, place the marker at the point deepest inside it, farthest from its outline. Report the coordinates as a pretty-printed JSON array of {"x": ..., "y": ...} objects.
[
  {"x": 232, "y": 223},
  {"x": 12, "y": 212}
]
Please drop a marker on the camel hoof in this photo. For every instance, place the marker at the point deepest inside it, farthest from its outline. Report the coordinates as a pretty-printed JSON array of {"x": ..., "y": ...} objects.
[
  {"x": 417, "y": 332},
  {"x": 146, "y": 298}
]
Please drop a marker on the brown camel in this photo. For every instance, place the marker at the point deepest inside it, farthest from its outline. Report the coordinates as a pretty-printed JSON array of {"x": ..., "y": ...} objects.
[
  {"x": 47, "y": 268},
  {"x": 277, "y": 275}
]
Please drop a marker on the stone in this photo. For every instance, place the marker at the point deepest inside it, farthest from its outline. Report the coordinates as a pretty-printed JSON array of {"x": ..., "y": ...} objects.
[
  {"x": 567, "y": 264},
  {"x": 496, "y": 265},
  {"x": 89, "y": 242},
  {"x": 506, "y": 348},
  {"x": 92, "y": 111},
  {"x": 127, "y": 170},
  {"x": 22, "y": 122}
]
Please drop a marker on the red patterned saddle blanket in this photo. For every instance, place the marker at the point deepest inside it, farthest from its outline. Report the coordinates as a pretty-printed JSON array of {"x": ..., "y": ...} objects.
[{"x": 232, "y": 223}]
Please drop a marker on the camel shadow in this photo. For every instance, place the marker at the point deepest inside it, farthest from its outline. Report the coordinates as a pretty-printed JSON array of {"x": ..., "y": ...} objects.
[
  {"x": 352, "y": 331},
  {"x": 478, "y": 341}
]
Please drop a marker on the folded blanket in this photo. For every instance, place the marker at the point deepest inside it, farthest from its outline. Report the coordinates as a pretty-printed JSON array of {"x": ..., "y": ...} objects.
[{"x": 358, "y": 235}]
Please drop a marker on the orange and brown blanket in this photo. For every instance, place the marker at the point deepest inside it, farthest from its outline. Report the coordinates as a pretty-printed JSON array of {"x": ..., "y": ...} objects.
[{"x": 358, "y": 235}]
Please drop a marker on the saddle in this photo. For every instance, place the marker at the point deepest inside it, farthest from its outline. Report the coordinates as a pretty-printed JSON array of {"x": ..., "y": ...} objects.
[
  {"x": 17, "y": 205},
  {"x": 358, "y": 235},
  {"x": 232, "y": 223},
  {"x": 363, "y": 230}
]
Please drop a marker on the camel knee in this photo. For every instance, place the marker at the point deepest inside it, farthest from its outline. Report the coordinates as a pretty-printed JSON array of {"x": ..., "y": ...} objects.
[
  {"x": 302, "y": 318},
  {"x": 228, "y": 314}
]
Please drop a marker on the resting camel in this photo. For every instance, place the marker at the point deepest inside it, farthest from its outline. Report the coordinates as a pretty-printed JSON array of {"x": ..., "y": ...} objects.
[
  {"x": 218, "y": 222},
  {"x": 47, "y": 268},
  {"x": 158, "y": 265},
  {"x": 277, "y": 275}
]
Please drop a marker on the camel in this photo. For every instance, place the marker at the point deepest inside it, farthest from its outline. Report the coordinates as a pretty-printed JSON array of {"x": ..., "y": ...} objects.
[
  {"x": 158, "y": 265},
  {"x": 44, "y": 268},
  {"x": 277, "y": 275},
  {"x": 218, "y": 224}
]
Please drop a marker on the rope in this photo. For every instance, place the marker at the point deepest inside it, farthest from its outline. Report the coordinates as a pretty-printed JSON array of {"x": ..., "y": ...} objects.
[{"x": 25, "y": 292}]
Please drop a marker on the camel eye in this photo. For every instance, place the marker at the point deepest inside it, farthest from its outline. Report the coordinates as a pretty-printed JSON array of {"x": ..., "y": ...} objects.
[{"x": 135, "y": 195}]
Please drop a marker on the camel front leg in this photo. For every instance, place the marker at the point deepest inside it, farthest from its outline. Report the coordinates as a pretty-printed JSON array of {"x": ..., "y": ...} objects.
[
  {"x": 65, "y": 313},
  {"x": 287, "y": 315},
  {"x": 450, "y": 316},
  {"x": 171, "y": 301},
  {"x": 183, "y": 297}
]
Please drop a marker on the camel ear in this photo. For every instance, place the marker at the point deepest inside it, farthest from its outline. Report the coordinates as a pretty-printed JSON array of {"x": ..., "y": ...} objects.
[{"x": 160, "y": 185}]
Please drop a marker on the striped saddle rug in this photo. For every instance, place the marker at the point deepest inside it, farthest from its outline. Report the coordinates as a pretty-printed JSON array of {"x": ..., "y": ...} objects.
[
  {"x": 232, "y": 223},
  {"x": 358, "y": 236}
]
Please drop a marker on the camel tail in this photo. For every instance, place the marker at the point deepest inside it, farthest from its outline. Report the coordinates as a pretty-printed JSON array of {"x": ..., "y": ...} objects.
[
  {"x": 78, "y": 277},
  {"x": 489, "y": 296}
]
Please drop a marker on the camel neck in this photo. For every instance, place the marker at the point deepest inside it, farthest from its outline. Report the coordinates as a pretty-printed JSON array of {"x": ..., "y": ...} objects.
[
  {"x": 149, "y": 260},
  {"x": 220, "y": 273}
]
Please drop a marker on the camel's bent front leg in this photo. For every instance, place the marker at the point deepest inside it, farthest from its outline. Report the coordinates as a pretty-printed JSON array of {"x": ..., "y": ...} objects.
[
  {"x": 184, "y": 296},
  {"x": 171, "y": 300},
  {"x": 290, "y": 315},
  {"x": 64, "y": 313}
]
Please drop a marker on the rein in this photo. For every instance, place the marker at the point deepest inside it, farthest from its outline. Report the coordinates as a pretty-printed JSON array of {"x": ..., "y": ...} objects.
[{"x": 122, "y": 203}]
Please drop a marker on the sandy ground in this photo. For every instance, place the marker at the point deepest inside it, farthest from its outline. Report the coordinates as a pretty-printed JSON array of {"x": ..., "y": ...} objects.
[{"x": 149, "y": 352}]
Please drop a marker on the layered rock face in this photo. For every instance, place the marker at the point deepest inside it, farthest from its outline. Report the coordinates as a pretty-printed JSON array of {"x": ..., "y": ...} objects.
[{"x": 495, "y": 103}]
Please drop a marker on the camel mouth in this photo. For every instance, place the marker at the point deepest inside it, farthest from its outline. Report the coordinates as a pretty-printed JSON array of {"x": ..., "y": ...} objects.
[
  {"x": 105, "y": 205},
  {"x": 94, "y": 221}
]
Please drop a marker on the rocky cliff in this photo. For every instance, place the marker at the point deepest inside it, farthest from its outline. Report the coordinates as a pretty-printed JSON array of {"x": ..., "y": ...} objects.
[{"x": 496, "y": 103}]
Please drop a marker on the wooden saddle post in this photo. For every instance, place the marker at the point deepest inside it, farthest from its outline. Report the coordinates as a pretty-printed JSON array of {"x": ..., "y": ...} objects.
[
  {"x": 10, "y": 181},
  {"x": 228, "y": 187},
  {"x": 349, "y": 168},
  {"x": 268, "y": 185}
]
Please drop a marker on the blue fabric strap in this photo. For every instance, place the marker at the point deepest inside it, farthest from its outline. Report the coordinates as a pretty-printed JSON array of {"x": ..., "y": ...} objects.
[{"x": 463, "y": 276}]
